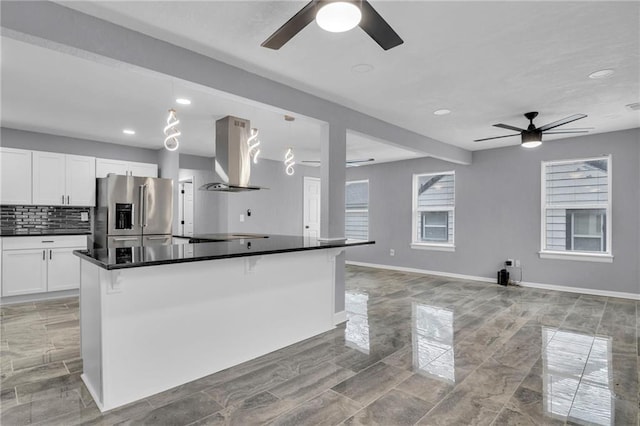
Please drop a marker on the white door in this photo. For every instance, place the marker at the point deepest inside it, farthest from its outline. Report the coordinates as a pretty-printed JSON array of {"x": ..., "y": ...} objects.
[
  {"x": 311, "y": 208},
  {"x": 81, "y": 180},
  {"x": 188, "y": 209},
  {"x": 15, "y": 176},
  {"x": 48, "y": 179},
  {"x": 24, "y": 271},
  {"x": 104, "y": 167},
  {"x": 63, "y": 270}
]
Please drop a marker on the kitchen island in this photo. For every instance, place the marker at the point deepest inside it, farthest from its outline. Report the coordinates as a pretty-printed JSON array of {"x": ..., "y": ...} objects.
[{"x": 153, "y": 318}]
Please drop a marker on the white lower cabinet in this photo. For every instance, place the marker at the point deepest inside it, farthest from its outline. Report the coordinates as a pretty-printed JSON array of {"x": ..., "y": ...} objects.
[
  {"x": 63, "y": 269},
  {"x": 40, "y": 264},
  {"x": 24, "y": 272}
]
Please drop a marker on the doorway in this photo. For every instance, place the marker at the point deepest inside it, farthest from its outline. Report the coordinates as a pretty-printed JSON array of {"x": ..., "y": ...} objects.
[
  {"x": 311, "y": 207},
  {"x": 185, "y": 202}
]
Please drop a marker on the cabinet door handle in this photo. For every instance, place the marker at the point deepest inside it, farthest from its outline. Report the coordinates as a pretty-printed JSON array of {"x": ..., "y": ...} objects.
[
  {"x": 46, "y": 241},
  {"x": 63, "y": 199},
  {"x": 50, "y": 251},
  {"x": 68, "y": 202},
  {"x": 43, "y": 255}
]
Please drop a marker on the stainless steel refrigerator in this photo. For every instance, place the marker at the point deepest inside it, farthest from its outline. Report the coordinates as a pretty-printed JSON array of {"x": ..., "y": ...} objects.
[{"x": 133, "y": 211}]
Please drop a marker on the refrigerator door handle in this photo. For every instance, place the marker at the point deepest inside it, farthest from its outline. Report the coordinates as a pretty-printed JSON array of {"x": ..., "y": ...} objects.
[
  {"x": 141, "y": 202},
  {"x": 133, "y": 215},
  {"x": 144, "y": 204}
]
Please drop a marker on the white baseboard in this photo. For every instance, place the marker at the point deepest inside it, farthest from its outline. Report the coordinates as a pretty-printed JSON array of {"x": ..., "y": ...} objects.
[
  {"x": 38, "y": 297},
  {"x": 339, "y": 317},
  {"x": 581, "y": 290},
  {"x": 554, "y": 287}
]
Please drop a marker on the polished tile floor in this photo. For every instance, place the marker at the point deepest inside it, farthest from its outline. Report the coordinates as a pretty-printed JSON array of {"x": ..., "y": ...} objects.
[{"x": 416, "y": 350}]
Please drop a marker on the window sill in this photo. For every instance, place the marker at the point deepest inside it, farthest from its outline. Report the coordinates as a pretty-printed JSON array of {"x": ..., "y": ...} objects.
[
  {"x": 583, "y": 257},
  {"x": 436, "y": 247}
]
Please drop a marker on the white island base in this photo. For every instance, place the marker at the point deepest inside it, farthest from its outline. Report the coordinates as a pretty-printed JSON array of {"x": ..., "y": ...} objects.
[{"x": 148, "y": 329}]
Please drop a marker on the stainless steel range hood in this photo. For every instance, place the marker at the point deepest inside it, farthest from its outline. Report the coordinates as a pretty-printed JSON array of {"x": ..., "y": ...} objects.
[{"x": 232, "y": 161}]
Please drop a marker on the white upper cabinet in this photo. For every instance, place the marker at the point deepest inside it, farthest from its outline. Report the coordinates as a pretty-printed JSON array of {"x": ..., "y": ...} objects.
[
  {"x": 15, "y": 176},
  {"x": 81, "y": 180},
  {"x": 144, "y": 169},
  {"x": 63, "y": 180},
  {"x": 104, "y": 167},
  {"x": 48, "y": 178}
]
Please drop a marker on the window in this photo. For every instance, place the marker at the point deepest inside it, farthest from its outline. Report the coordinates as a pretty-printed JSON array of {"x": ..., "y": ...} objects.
[
  {"x": 433, "y": 210},
  {"x": 576, "y": 207},
  {"x": 357, "y": 210}
]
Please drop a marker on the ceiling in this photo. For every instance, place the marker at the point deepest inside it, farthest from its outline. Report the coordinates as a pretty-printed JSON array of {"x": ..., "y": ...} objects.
[
  {"x": 521, "y": 56},
  {"x": 487, "y": 62},
  {"x": 48, "y": 91}
]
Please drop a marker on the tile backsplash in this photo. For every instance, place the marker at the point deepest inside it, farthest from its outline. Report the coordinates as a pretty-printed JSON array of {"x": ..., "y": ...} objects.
[{"x": 31, "y": 219}]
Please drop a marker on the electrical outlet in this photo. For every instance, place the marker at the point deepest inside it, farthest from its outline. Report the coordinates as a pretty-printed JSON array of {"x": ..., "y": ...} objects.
[
  {"x": 241, "y": 218},
  {"x": 517, "y": 263},
  {"x": 392, "y": 252}
]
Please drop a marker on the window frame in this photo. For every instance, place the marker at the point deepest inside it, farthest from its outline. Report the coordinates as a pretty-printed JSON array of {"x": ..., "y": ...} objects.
[
  {"x": 587, "y": 256},
  {"x": 358, "y": 210},
  {"x": 421, "y": 245}
]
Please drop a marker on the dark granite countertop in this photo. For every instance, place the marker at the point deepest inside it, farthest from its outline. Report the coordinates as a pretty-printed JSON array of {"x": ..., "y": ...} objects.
[
  {"x": 133, "y": 257},
  {"x": 35, "y": 232}
]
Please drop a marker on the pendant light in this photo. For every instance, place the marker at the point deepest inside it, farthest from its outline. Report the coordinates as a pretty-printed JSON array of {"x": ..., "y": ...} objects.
[
  {"x": 171, "y": 132},
  {"x": 254, "y": 143},
  {"x": 289, "y": 162}
]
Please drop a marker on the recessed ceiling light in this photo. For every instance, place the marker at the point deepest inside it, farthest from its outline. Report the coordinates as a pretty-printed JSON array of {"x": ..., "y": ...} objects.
[
  {"x": 129, "y": 132},
  {"x": 601, "y": 74},
  {"x": 442, "y": 112},
  {"x": 362, "y": 68},
  {"x": 183, "y": 101}
]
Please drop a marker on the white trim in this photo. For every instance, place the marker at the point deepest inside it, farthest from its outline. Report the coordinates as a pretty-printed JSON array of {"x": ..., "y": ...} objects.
[
  {"x": 436, "y": 247},
  {"x": 554, "y": 287},
  {"x": 584, "y": 257},
  {"x": 339, "y": 317},
  {"x": 37, "y": 297},
  {"x": 92, "y": 392},
  {"x": 582, "y": 290},
  {"x": 422, "y": 271},
  {"x": 333, "y": 239}
]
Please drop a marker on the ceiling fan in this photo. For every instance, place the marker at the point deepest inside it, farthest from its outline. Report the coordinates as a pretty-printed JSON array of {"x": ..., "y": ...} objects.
[
  {"x": 337, "y": 16},
  {"x": 532, "y": 135},
  {"x": 350, "y": 163}
]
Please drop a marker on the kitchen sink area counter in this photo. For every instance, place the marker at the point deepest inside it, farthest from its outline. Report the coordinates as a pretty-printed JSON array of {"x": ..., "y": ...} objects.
[
  {"x": 208, "y": 247},
  {"x": 156, "y": 317}
]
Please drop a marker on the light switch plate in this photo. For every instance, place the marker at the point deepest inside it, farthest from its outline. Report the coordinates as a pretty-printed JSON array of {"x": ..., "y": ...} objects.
[{"x": 241, "y": 218}]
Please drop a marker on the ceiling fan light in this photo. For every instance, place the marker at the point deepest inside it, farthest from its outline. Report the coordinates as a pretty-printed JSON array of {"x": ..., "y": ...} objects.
[
  {"x": 338, "y": 16},
  {"x": 531, "y": 139}
]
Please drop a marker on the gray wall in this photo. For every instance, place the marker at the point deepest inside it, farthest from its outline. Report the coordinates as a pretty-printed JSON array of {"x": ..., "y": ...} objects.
[
  {"x": 209, "y": 208},
  {"x": 277, "y": 210},
  {"x": 13, "y": 138},
  {"x": 498, "y": 214}
]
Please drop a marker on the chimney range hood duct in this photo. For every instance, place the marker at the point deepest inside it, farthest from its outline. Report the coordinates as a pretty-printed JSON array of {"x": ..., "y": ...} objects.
[{"x": 232, "y": 161}]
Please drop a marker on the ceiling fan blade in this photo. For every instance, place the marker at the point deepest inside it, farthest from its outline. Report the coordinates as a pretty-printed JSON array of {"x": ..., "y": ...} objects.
[
  {"x": 557, "y": 132},
  {"x": 561, "y": 122},
  {"x": 361, "y": 161},
  {"x": 509, "y": 127},
  {"x": 377, "y": 28},
  {"x": 293, "y": 26},
  {"x": 310, "y": 161},
  {"x": 496, "y": 137}
]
